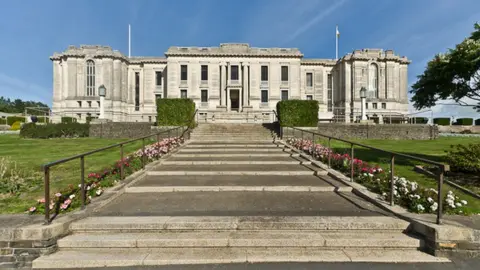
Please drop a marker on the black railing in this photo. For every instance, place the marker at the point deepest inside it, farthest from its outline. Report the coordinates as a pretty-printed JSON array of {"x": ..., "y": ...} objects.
[
  {"x": 442, "y": 167},
  {"x": 179, "y": 131}
]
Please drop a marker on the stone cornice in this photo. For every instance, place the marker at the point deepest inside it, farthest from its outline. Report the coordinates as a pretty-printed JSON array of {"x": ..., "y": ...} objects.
[
  {"x": 318, "y": 62},
  {"x": 234, "y": 50},
  {"x": 375, "y": 55}
]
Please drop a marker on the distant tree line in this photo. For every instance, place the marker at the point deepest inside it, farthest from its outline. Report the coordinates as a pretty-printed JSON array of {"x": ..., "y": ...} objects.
[{"x": 18, "y": 106}]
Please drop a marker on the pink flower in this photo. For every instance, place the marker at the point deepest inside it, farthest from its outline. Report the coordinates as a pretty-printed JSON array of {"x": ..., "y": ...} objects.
[
  {"x": 42, "y": 200},
  {"x": 32, "y": 209},
  {"x": 64, "y": 206},
  {"x": 58, "y": 194},
  {"x": 67, "y": 202}
]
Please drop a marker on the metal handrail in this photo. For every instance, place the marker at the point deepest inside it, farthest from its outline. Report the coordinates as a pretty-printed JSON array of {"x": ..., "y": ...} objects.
[
  {"x": 46, "y": 167},
  {"x": 442, "y": 167}
]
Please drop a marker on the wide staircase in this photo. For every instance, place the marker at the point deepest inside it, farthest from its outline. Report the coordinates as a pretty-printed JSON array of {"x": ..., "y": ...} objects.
[{"x": 234, "y": 194}]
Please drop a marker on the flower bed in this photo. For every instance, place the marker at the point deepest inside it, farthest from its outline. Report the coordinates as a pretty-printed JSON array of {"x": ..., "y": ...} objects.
[
  {"x": 406, "y": 193},
  {"x": 70, "y": 198}
]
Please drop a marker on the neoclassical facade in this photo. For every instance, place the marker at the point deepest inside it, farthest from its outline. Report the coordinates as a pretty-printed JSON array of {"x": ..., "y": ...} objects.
[{"x": 229, "y": 83}]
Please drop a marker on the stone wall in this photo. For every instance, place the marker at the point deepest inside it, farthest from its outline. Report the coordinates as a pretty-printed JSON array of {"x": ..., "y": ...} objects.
[
  {"x": 459, "y": 129},
  {"x": 359, "y": 131},
  {"x": 128, "y": 130}
]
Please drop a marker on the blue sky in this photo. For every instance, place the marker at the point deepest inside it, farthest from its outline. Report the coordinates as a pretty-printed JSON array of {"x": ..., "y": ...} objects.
[{"x": 30, "y": 31}]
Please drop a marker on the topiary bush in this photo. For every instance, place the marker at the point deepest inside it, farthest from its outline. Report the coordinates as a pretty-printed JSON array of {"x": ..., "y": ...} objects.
[
  {"x": 464, "y": 122},
  {"x": 175, "y": 112},
  {"x": 418, "y": 120},
  {"x": 3, "y": 121},
  {"x": 13, "y": 119},
  {"x": 464, "y": 158},
  {"x": 67, "y": 119},
  {"x": 16, "y": 126},
  {"x": 298, "y": 113},
  {"x": 477, "y": 122},
  {"x": 441, "y": 121},
  {"x": 61, "y": 130}
]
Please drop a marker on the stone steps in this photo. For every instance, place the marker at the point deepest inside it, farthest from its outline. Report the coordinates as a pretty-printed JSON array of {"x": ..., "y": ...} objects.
[{"x": 118, "y": 257}]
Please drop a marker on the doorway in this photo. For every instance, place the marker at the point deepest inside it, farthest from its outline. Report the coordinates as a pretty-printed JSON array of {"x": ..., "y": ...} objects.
[{"x": 235, "y": 100}]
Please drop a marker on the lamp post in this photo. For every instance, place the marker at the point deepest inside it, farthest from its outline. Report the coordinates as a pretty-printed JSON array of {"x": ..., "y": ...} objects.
[
  {"x": 102, "y": 92},
  {"x": 363, "y": 96}
]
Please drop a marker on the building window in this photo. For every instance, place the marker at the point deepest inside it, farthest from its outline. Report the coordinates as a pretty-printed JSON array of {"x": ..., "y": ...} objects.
[
  {"x": 384, "y": 105},
  {"x": 137, "y": 91},
  {"x": 284, "y": 94},
  {"x": 183, "y": 93},
  {"x": 90, "y": 78},
  {"x": 89, "y": 104},
  {"x": 183, "y": 73},
  {"x": 204, "y": 96},
  {"x": 234, "y": 73},
  {"x": 264, "y": 96},
  {"x": 149, "y": 118},
  {"x": 309, "y": 97},
  {"x": 98, "y": 104},
  {"x": 79, "y": 115},
  {"x": 373, "y": 80},
  {"x": 366, "y": 106},
  {"x": 309, "y": 79},
  {"x": 79, "y": 104},
  {"x": 264, "y": 73},
  {"x": 284, "y": 73},
  {"x": 158, "y": 96},
  {"x": 329, "y": 93},
  {"x": 158, "y": 78},
  {"x": 374, "y": 105},
  {"x": 204, "y": 73}
]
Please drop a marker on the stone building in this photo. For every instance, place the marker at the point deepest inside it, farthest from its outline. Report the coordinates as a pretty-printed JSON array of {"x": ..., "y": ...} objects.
[{"x": 229, "y": 83}]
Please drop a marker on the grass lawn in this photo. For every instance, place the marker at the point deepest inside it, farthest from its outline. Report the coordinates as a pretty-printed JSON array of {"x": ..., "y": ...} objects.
[
  {"x": 430, "y": 149},
  {"x": 30, "y": 154}
]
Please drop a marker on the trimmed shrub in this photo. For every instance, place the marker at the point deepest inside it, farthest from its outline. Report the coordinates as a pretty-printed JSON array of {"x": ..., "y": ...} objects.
[
  {"x": 418, "y": 120},
  {"x": 61, "y": 130},
  {"x": 477, "y": 122},
  {"x": 442, "y": 121},
  {"x": 298, "y": 113},
  {"x": 3, "y": 121},
  {"x": 43, "y": 119},
  {"x": 175, "y": 111},
  {"x": 67, "y": 119},
  {"x": 90, "y": 118},
  {"x": 464, "y": 158},
  {"x": 16, "y": 126},
  {"x": 13, "y": 119},
  {"x": 464, "y": 122}
]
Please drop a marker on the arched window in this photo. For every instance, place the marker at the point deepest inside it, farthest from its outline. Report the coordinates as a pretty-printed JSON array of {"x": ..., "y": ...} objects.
[
  {"x": 90, "y": 78},
  {"x": 373, "y": 80}
]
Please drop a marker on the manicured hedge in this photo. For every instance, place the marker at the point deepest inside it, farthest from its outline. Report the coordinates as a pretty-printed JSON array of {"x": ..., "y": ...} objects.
[
  {"x": 13, "y": 119},
  {"x": 90, "y": 118},
  {"x": 418, "y": 120},
  {"x": 464, "y": 122},
  {"x": 298, "y": 113},
  {"x": 175, "y": 112},
  {"x": 477, "y": 122},
  {"x": 3, "y": 121},
  {"x": 66, "y": 119},
  {"x": 61, "y": 130},
  {"x": 442, "y": 121}
]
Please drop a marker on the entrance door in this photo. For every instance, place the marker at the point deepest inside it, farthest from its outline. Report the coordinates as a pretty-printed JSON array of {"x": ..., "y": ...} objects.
[{"x": 235, "y": 100}]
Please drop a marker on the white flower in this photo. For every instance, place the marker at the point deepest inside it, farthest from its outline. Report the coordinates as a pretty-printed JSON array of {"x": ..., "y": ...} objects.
[
  {"x": 463, "y": 202},
  {"x": 72, "y": 196},
  {"x": 450, "y": 192},
  {"x": 430, "y": 200},
  {"x": 370, "y": 175},
  {"x": 420, "y": 207},
  {"x": 434, "y": 207},
  {"x": 384, "y": 194},
  {"x": 458, "y": 204},
  {"x": 99, "y": 192}
]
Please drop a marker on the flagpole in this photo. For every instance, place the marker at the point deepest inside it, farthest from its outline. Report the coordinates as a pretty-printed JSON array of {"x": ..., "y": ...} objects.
[
  {"x": 336, "y": 43},
  {"x": 129, "y": 41}
]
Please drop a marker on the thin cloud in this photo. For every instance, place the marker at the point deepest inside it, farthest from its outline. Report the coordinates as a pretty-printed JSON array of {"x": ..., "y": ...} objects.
[{"x": 302, "y": 29}]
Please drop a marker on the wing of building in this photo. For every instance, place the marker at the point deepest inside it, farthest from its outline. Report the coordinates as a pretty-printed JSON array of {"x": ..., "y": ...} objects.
[{"x": 231, "y": 82}]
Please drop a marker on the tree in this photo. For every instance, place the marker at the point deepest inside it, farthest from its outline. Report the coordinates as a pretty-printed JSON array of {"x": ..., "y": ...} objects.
[
  {"x": 18, "y": 106},
  {"x": 454, "y": 75}
]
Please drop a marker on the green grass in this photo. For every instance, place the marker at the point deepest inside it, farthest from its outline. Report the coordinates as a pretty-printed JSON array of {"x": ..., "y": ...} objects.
[
  {"x": 429, "y": 149},
  {"x": 31, "y": 154}
]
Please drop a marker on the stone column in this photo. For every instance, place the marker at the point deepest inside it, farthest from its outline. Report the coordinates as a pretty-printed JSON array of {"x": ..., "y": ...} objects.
[
  {"x": 222, "y": 83},
  {"x": 227, "y": 94},
  {"x": 246, "y": 90},
  {"x": 240, "y": 92}
]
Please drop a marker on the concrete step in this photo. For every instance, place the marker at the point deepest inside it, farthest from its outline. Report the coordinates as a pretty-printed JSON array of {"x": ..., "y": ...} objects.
[
  {"x": 256, "y": 146},
  {"x": 237, "y": 167},
  {"x": 237, "y": 162},
  {"x": 280, "y": 158},
  {"x": 146, "y": 224},
  {"x": 239, "y": 203},
  {"x": 121, "y": 257},
  {"x": 222, "y": 140},
  {"x": 230, "y": 150},
  {"x": 320, "y": 239},
  {"x": 243, "y": 155}
]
